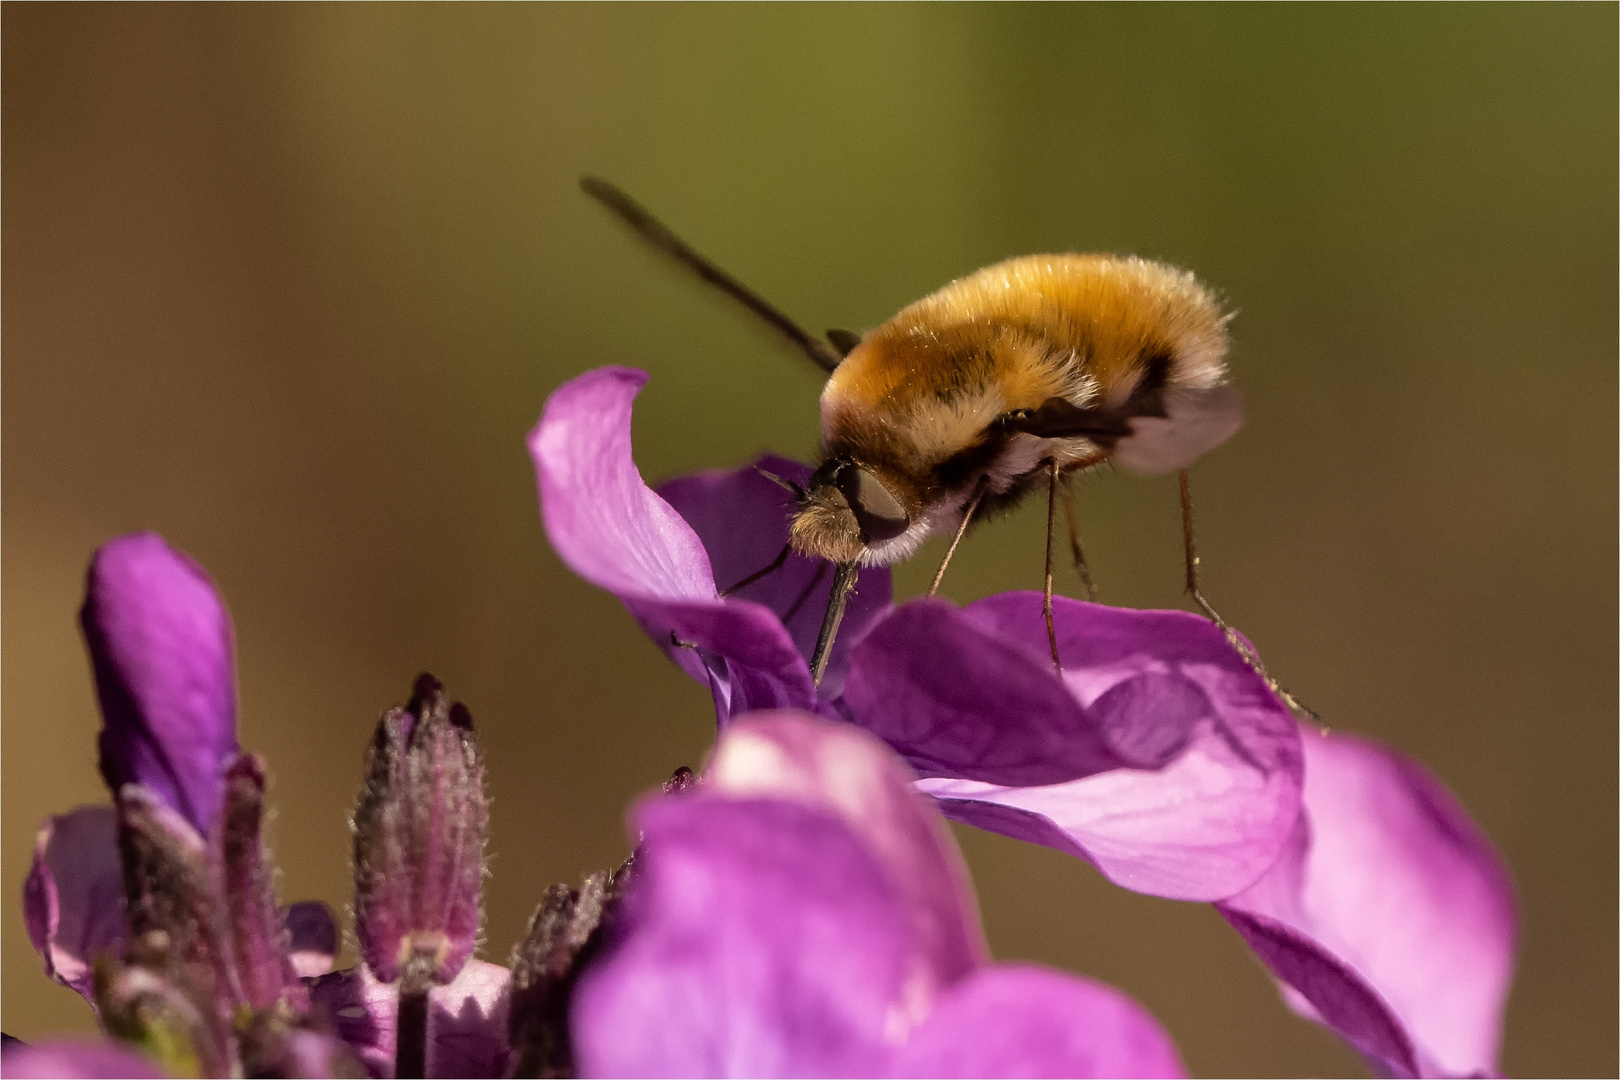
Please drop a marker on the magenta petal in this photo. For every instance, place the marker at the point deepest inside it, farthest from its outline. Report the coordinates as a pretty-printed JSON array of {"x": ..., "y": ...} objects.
[
  {"x": 605, "y": 523},
  {"x": 742, "y": 518},
  {"x": 613, "y": 531},
  {"x": 1214, "y": 792},
  {"x": 1020, "y": 1020},
  {"x": 467, "y": 1026},
  {"x": 73, "y": 900},
  {"x": 763, "y": 940},
  {"x": 841, "y": 769},
  {"x": 161, "y": 644},
  {"x": 67, "y": 1058},
  {"x": 957, "y": 699},
  {"x": 1391, "y": 914}
]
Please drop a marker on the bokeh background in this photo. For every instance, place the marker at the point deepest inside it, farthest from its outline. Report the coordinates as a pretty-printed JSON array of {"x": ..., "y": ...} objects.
[{"x": 290, "y": 283}]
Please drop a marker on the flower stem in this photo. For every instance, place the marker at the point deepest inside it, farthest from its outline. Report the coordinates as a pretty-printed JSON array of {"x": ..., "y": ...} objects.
[{"x": 410, "y": 1044}]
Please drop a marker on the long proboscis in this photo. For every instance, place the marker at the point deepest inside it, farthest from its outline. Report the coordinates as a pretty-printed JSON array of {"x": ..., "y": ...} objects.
[
  {"x": 843, "y": 585},
  {"x": 664, "y": 239}
]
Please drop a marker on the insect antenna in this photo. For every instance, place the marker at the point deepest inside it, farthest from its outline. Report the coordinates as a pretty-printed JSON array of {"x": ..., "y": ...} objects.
[
  {"x": 783, "y": 482},
  {"x": 660, "y": 236},
  {"x": 844, "y": 341},
  {"x": 843, "y": 585}
]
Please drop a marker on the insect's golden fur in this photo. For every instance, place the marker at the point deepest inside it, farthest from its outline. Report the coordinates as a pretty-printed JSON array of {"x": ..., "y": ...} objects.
[
  {"x": 916, "y": 403},
  {"x": 961, "y": 402}
]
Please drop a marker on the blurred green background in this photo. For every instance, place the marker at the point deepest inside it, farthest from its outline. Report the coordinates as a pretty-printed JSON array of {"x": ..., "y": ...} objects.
[{"x": 290, "y": 283}]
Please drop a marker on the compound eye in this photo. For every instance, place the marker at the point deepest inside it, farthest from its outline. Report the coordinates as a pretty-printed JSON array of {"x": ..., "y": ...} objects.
[{"x": 880, "y": 515}]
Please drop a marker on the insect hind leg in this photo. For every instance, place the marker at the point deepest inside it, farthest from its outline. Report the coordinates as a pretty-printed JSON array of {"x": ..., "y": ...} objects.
[
  {"x": 1075, "y": 550},
  {"x": 1244, "y": 649},
  {"x": 1051, "y": 528}
]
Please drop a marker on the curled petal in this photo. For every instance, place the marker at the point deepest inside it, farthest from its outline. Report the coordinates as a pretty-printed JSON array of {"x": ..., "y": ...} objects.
[
  {"x": 1204, "y": 788},
  {"x": 466, "y": 1028},
  {"x": 742, "y": 516},
  {"x": 763, "y": 940},
  {"x": 605, "y": 523},
  {"x": 69, "y": 1058},
  {"x": 1021, "y": 1020},
  {"x": 839, "y": 768},
  {"x": 613, "y": 531},
  {"x": 73, "y": 900},
  {"x": 1390, "y": 916},
  {"x": 161, "y": 644}
]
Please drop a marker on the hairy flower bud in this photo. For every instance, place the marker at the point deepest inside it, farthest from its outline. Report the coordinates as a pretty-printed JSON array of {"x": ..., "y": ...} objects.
[
  {"x": 185, "y": 1002},
  {"x": 259, "y": 936},
  {"x": 419, "y": 841}
]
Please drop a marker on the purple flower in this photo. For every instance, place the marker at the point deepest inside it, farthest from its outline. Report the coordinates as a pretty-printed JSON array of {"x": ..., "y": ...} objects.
[
  {"x": 1390, "y": 917},
  {"x": 161, "y": 910},
  {"x": 64, "y": 1058},
  {"x": 419, "y": 841},
  {"x": 468, "y": 1022},
  {"x": 668, "y": 562},
  {"x": 73, "y": 899},
  {"x": 1159, "y": 755},
  {"x": 803, "y": 913},
  {"x": 161, "y": 644}
]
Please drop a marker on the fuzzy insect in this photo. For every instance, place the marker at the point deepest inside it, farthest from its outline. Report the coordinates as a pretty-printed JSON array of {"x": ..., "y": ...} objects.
[{"x": 965, "y": 401}]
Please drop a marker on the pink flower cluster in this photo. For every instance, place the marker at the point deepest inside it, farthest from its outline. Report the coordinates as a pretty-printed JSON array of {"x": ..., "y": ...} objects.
[{"x": 798, "y": 909}]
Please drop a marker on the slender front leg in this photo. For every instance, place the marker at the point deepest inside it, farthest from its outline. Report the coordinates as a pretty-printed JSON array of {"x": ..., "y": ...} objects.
[
  {"x": 1051, "y": 528},
  {"x": 967, "y": 516}
]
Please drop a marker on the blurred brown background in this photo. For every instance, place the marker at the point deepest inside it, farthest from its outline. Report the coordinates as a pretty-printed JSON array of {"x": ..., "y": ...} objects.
[{"x": 289, "y": 284}]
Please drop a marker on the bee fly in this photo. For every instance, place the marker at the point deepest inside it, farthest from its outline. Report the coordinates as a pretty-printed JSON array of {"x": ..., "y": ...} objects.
[{"x": 1022, "y": 373}]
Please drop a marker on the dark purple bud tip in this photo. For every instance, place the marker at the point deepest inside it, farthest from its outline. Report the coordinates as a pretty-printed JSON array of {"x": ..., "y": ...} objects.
[
  {"x": 682, "y": 780},
  {"x": 419, "y": 831},
  {"x": 424, "y": 691}
]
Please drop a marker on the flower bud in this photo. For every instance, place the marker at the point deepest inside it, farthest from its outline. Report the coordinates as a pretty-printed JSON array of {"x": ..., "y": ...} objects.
[
  {"x": 161, "y": 644},
  {"x": 419, "y": 841},
  {"x": 259, "y": 938}
]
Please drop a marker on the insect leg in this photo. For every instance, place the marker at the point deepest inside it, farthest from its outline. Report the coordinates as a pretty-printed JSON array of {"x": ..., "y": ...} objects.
[
  {"x": 967, "y": 516},
  {"x": 843, "y": 585},
  {"x": 1243, "y": 648},
  {"x": 787, "y": 549},
  {"x": 1051, "y": 528},
  {"x": 815, "y": 581},
  {"x": 1074, "y": 542}
]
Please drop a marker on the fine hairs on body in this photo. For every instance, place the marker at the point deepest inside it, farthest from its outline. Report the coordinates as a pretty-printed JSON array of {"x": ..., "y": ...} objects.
[{"x": 1029, "y": 370}]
